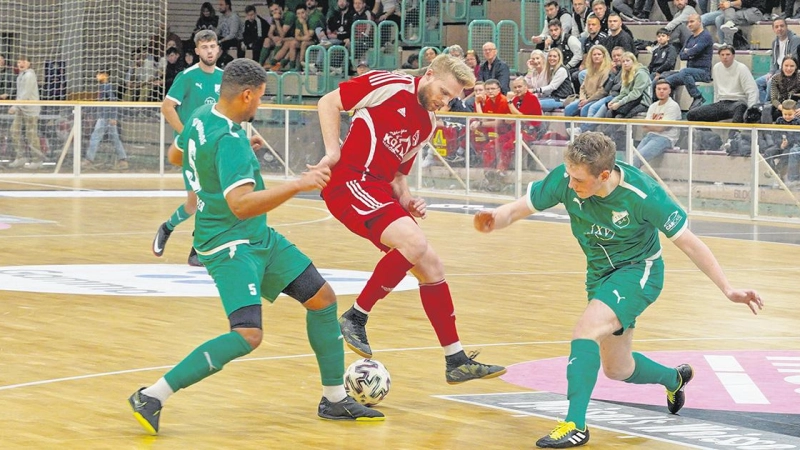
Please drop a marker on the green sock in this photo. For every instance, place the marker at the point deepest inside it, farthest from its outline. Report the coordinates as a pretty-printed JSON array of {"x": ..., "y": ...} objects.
[
  {"x": 323, "y": 331},
  {"x": 179, "y": 216},
  {"x": 263, "y": 56},
  {"x": 648, "y": 371},
  {"x": 207, "y": 359},
  {"x": 584, "y": 363}
]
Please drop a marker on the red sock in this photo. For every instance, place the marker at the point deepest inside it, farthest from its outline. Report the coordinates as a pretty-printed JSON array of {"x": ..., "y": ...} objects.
[
  {"x": 438, "y": 305},
  {"x": 389, "y": 272}
]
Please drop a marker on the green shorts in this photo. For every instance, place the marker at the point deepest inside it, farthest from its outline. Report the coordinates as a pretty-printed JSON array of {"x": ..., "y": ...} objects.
[
  {"x": 245, "y": 273},
  {"x": 629, "y": 290}
]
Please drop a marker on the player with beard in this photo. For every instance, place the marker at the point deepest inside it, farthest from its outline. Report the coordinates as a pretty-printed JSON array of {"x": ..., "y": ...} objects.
[
  {"x": 393, "y": 117},
  {"x": 246, "y": 258},
  {"x": 196, "y": 86}
]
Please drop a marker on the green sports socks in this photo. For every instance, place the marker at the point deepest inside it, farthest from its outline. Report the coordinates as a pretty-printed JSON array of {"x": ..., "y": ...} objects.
[
  {"x": 648, "y": 371},
  {"x": 584, "y": 363},
  {"x": 179, "y": 216},
  {"x": 324, "y": 336},
  {"x": 207, "y": 359}
]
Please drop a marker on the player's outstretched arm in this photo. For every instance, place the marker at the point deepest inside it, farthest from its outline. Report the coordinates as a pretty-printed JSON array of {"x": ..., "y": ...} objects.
[
  {"x": 488, "y": 220},
  {"x": 330, "y": 109},
  {"x": 702, "y": 257},
  {"x": 244, "y": 202}
]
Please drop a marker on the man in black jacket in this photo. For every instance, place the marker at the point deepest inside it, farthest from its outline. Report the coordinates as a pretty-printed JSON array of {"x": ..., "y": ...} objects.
[
  {"x": 494, "y": 68},
  {"x": 255, "y": 31}
]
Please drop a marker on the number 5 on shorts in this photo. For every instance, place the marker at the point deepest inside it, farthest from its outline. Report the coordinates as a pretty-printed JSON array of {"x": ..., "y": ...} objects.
[{"x": 252, "y": 287}]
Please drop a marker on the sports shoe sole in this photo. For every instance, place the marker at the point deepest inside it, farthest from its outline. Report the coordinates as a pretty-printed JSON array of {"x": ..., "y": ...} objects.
[{"x": 142, "y": 421}]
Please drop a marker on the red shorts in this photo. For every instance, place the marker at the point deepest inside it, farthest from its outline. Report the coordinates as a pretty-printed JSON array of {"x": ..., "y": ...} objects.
[{"x": 365, "y": 208}]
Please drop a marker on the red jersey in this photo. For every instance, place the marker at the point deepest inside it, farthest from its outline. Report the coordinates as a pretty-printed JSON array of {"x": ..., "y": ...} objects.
[
  {"x": 388, "y": 127},
  {"x": 528, "y": 105}
]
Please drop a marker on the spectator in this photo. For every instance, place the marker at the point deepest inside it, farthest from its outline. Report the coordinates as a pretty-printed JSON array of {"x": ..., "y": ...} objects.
[
  {"x": 612, "y": 87},
  {"x": 600, "y": 10},
  {"x": 412, "y": 62},
  {"x": 537, "y": 71},
  {"x": 255, "y": 32},
  {"x": 659, "y": 138},
  {"x": 640, "y": 11},
  {"x": 580, "y": 12},
  {"x": 664, "y": 55},
  {"x": 175, "y": 65},
  {"x": 784, "y": 86},
  {"x": 634, "y": 97},
  {"x": 569, "y": 45},
  {"x": 282, "y": 39},
  {"x": 478, "y": 95},
  {"x": 303, "y": 34},
  {"x": 230, "y": 28},
  {"x": 553, "y": 11},
  {"x": 8, "y": 88},
  {"x": 559, "y": 86},
  {"x": 598, "y": 69},
  {"x": 594, "y": 35},
  {"x": 456, "y": 51},
  {"x": 494, "y": 68},
  {"x": 141, "y": 79},
  {"x": 494, "y": 102},
  {"x": 617, "y": 37},
  {"x": 790, "y": 141},
  {"x": 697, "y": 53},
  {"x": 731, "y": 15},
  {"x": 735, "y": 90},
  {"x": 786, "y": 43},
  {"x": 388, "y": 10},
  {"x": 521, "y": 103},
  {"x": 316, "y": 21},
  {"x": 428, "y": 55},
  {"x": 208, "y": 19},
  {"x": 26, "y": 116},
  {"x": 472, "y": 61},
  {"x": 339, "y": 24},
  {"x": 106, "y": 123},
  {"x": 678, "y": 31}
]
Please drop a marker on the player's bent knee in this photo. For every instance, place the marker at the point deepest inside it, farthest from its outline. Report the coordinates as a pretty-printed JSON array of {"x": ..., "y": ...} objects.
[
  {"x": 253, "y": 336},
  {"x": 247, "y": 321},
  {"x": 310, "y": 285}
]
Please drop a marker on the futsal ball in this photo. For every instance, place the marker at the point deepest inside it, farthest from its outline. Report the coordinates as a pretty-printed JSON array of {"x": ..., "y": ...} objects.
[{"x": 367, "y": 381}]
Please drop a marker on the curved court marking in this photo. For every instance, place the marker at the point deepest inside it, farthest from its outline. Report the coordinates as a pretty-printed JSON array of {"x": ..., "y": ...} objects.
[{"x": 390, "y": 350}]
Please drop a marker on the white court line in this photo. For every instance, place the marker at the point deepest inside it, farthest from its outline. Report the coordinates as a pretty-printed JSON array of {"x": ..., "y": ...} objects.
[{"x": 391, "y": 350}]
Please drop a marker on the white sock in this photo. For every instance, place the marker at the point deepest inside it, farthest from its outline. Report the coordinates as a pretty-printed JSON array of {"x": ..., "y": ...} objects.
[
  {"x": 334, "y": 393},
  {"x": 360, "y": 309},
  {"x": 161, "y": 390},
  {"x": 453, "y": 348}
]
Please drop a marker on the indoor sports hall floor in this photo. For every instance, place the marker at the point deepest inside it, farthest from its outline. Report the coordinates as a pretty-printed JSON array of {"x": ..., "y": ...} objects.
[{"x": 88, "y": 315}]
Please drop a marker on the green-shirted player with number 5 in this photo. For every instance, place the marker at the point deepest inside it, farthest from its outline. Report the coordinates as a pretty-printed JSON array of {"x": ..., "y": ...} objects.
[
  {"x": 246, "y": 258},
  {"x": 616, "y": 212}
]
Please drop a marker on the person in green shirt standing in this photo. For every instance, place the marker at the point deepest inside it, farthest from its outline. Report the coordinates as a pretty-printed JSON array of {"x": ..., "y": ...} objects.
[
  {"x": 196, "y": 86},
  {"x": 246, "y": 258},
  {"x": 616, "y": 212}
]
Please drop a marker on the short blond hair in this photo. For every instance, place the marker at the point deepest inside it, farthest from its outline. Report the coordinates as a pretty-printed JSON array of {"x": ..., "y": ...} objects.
[
  {"x": 444, "y": 64},
  {"x": 594, "y": 150}
]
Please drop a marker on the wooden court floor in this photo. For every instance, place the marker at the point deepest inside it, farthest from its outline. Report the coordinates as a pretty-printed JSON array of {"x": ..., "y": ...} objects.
[{"x": 68, "y": 362}]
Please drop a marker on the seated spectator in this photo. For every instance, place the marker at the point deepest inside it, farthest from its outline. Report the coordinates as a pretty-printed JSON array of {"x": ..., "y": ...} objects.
[
  {"x": 255, "y": 32},
  {"x": 612, "y": 87},
  {"x": 784, "y": 86},
  {"x": 521, "y": 102},
  {"x": 316, "y": 21},
  {"x": 593, "y": 37},
  {"x": 536, "y": 77},
  {"x": 281, "y": 40},
  {"x": 600, "y": 10},
  {"x": 230, "y": 29},
  {"x": 472, "y": 60},
  {"x": 494, "y": 102},
  {"x": 678, "y": 31},
  {"x": 598, "y": 69},
  {"x": 428, "y": 55},
  {"x": 730, "y": 16},
  {"x": 659, "y": 138},
  {"x": 634, "y": 97},
  {"x": 208, "y": 20},
  {"x": 559, "y": 86},
  {"x": 735, "y": 90},
  {"x": 478, "y": 95},
  {"x": 412, "y": 62},
  {"x": 569, "y": 45},
  {"x": 362, "y": 68},
  {"x": 617, "y": 37},
  {"x": 697, "y": 53},
  {"x": 140, "y": 80},
  {"x": 304, "y": 35},
  {"x": 553, "y": 11},
  {"x": 389, "y": 10},
  {"x": 493, "y": 68},
  {"x": 633, "y": 10},
  {"x": 580, "y": 12},
  {"x": 338, "y": 26},
  {"x": 664, "y": 55},
  {"x": 455, "y": 50},
  {"x": 106, "y": 124},
  {"x": 785, "y": 43},
  {"x": 175, "y": 65},
  {"x": 362, "y": 33}
]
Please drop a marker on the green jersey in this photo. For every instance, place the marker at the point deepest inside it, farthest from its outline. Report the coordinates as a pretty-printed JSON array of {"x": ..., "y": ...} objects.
[
  {"x": 616, "y": 230},
  {"x": 316, "y": 20},
  {"x": 217, "y": 158},
  {"x": 193, "y": 88}
]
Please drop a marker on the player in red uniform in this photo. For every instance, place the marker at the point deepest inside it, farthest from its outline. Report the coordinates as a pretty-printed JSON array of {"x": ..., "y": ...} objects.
[{"x": 368, "y": 193}]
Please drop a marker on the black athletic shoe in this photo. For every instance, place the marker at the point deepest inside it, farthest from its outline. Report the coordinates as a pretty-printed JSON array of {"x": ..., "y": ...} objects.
[
  {"x": 146, "y": 410},
  {"x": 193, "y": 259},
  {"x": 348, "y": 409},
  {"x": 354, "y": 333},
  {"x": 160, "y": 241},
  {"x": 472, "y": 370},
  {"x": 565, "y": 435},
  {"x": 676, "y": 398}
]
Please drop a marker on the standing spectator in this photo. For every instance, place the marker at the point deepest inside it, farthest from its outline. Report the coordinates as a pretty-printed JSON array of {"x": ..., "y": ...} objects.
[
  {"x": 786, "y": 43},
  {"x": 8, "y": 82},
  {"x": 784, "y": 86},
  {"x": 580, "y": 12},
  {"x": 255, "y": 31},
  {"x": 598, "y": 68},
  {"x": 634, "y": 97},
  {"x": 678, "y": 31},
  {"x": 659, "y": 138},
  {"x": 697, "y": 53},
  {"x": 790, "y": 140},
  {"x": 664, "y": 55},
  {"x": 735, "y": 90},
  {"x": 569, "y": 45},
  {"x": 230, "y": 29},
  {"x": 106, "y": 123},
  {"x": 559, "y": 86},
  {"x": 617, "y": 37},
  {"x": 26, "y": 116},
  {"x": 553, "y": 11},
  {"x": 494, "y": 68}
]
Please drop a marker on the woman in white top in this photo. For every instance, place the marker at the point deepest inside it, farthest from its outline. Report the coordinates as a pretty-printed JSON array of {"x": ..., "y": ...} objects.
[
  {"x": 537, "y": 73},
  {"x": 559, "y": 86}
]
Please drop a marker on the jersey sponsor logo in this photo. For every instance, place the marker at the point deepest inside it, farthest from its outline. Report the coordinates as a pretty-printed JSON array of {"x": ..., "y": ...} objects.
[
  {"x": 601, "y": 232},
  {"x": 672, "y": 220},
  {"x": 150, "y": 280},
  {"x": 620, "y": 219},
  {"x": 210, "y": 101},
  {"x": 216, "y": 88},
  {"x": 398, "y": 142}
]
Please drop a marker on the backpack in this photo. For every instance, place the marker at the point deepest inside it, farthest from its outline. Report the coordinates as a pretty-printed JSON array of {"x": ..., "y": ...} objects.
[
  {"x": 739, "y": 42},
  {"x": 706, "y": 139}
]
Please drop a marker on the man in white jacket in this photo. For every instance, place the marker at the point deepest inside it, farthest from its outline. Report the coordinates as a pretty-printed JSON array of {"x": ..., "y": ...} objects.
[{"x": 26, "y": 116}]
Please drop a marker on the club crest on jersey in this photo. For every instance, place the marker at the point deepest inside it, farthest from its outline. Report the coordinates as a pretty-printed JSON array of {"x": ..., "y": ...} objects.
[
  {"x": 216, "y": 88},
  {"x": 398, "y": 143},
  {"x": 620, "y": 219}
]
